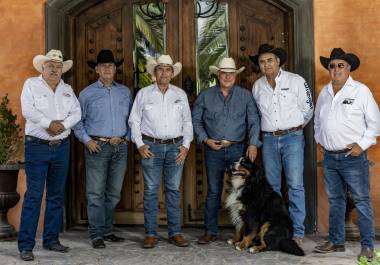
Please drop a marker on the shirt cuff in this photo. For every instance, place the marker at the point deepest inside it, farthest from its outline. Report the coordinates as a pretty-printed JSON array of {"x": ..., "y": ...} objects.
[
  {"x": 86, "y": 139},
  {"x": 364, "y": 144},
  {"x": 45, "y": 123},
  {"x": 201, "y": 138},
  {"x": 139, "y": 142},
  {"x": 186, "y": 144}
]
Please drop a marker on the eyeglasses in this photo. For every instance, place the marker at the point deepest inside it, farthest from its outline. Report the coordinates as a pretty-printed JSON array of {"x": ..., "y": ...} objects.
[{"x": 339, "y": 65}]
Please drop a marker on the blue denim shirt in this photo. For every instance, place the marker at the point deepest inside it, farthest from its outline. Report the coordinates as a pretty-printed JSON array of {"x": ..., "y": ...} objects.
[
  {"x": 233, "y": 118},
  {"x": 105, "y": 111}
]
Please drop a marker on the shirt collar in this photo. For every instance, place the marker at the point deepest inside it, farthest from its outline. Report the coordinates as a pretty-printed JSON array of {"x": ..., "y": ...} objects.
[
  {"x": 277, "y": 78},
  {"x": 43, "y": 80},
  {"x": 156, "y": 89},
  {"x": 349, "y": 84},
  {"x": 101, "y": 84}
]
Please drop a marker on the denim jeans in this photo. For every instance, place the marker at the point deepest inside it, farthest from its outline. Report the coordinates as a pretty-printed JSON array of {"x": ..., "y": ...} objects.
[
  {"x": 163, "y": 162},
  {"x": 287, "y": 152},
  {"x": 352, "y": 173},
  {"x": 44, "y": 165},
  {"x": 104, "y": 179},
  {"x": 216, "y": 164}
]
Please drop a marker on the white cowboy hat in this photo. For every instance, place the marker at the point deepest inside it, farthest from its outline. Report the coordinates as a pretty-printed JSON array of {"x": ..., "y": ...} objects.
[
  {"x": 162, "y": 60},
  {"x": 226, "y": 65},
  {"x": 52, "y": 55}
]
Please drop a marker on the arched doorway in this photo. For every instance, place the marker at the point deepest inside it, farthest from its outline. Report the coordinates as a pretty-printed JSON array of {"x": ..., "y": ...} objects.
[{"x": 88, "y": 26}]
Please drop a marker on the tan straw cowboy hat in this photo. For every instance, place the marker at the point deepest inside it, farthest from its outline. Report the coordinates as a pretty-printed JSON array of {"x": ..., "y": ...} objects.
[
  {"x": 226, "y": 65},
  {"x": 162, "y": 60},
  {"x": 52, "y": 55}
]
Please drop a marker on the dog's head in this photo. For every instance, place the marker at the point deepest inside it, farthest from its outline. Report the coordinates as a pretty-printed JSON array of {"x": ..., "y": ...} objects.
[{"x": 240, "y": 171}]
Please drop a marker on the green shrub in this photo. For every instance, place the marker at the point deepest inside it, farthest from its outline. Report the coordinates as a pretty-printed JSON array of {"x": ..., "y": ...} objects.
[{"x": 376, "y": 260}]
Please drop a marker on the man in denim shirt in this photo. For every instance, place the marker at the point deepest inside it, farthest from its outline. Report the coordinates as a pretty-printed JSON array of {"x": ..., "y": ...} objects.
[
  {"x": 223, "y": 116},
  {"x": 104, "y": 130}
]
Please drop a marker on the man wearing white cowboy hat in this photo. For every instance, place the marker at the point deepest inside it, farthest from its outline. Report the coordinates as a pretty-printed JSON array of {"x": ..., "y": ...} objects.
[
  {"x": 346, "y": 124},
  {"x": 226, "y": 120},
  {"x": 162, "y": 131},
  {"x": 50, "y": 109},
  {"x": 104, "y": 131},
  {"x": 285, "y": 103}
]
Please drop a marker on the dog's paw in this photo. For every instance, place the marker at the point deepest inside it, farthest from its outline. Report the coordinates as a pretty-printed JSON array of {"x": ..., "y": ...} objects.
[
  {"x": 238, "y": 248},
  {"x": 253, "y": 250},
  {"x": 237, "y": 243},
  {"x": 230, "y": 241}
]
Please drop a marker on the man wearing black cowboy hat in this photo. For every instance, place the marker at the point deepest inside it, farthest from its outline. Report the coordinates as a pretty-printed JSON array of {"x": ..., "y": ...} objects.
[
  {"x": 104, "y": 131},
  {"x": 347, "y": 121},
  {"x": 286, "y": 106}
]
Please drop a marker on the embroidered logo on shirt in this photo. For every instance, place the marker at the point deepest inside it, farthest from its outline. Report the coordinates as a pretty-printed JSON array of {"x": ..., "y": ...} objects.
[
  {"x": 177, "y": 101},
  {"x": 285, "y": 88},
  {"x": 348, "y": 101},
  {"x": 66, "y": 95}
]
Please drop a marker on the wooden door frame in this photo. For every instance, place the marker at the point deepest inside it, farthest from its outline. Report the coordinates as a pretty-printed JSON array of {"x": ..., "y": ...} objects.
[{"x": 59, "y": 19}]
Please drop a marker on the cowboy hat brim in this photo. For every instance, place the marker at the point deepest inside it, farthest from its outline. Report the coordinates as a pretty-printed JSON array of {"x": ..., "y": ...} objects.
[
  {"x": 350, "y": 58},
  {"x": 39, "y": 60},
  {"x": 214, "y": 70},
  {"x": 279, "y": 52},
  {"x": 93, "y": 64},
  {"x": 151, "y": 64}
]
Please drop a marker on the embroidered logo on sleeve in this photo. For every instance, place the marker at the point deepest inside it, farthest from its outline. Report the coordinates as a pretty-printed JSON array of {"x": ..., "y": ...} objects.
[
  {"x": 348, "y": 101},
  {"x": 309, "y": 101}
]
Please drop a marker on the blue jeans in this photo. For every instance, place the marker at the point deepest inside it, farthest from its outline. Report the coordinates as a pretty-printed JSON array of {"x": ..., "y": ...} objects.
[
  {"x": 216, "y": 164},
  {"x": 287, "y": 152},
  {"x": 104, "y": 179},
  {"x": 352, "y": 173},
  {"x": 163, "y": 162},
  {"x": 48, "y": 165}
]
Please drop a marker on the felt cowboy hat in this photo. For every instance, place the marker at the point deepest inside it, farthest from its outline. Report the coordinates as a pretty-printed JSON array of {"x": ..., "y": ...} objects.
[
  {"x": 162, "y": 60},
  {"x": 267, "y": 48},
  {"x": 52, "y": 55},
  {"x": 226, "y": 65},
  {"x": 338, "y": 53},
  {"x": 105, "y": 56}
]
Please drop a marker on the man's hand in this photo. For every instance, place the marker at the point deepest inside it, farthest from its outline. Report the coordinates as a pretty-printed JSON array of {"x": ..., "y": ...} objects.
[
  {"x": 55, "y": 128},
  {"x": 356, "y": 150},
  {"x": 93, "y": 147},
  {"x": 214, "y": 144},
  {"x": 145, "y": 152},
  {"x": 251, "y": 152},
  {"x": 180, "y": 159}
]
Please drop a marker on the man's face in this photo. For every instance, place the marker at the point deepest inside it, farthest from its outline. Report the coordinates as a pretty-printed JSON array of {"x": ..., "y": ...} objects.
[
  {"x": 269, "y": 64},
  {"x": 52, "y": 71},
  {"x": 163, "y": 73},
  {"x": 106, "y": 71},
  {"x": 339, "y": 70},
  {"x": 226, "y": 79}
]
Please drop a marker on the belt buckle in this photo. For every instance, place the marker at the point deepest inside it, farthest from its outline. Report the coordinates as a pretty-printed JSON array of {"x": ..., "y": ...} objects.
[
  {"x": 225, "y": 143},
  {"x": 55, "y": 142},
  {"x": 115, "y": 140}
]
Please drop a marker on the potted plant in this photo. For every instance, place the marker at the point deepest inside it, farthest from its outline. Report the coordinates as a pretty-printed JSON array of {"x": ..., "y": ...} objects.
[{"x": 11, "y": 155}]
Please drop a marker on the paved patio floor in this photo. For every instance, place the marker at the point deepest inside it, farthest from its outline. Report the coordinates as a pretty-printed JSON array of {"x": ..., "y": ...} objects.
[{"x": 130, "y": 251}]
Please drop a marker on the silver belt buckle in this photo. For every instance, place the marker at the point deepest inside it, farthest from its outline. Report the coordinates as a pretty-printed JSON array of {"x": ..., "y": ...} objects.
[
  {"x": 55, "y": 142},
  {"x": 115, "y": 141},
  {"x": 225, "y": 143}
]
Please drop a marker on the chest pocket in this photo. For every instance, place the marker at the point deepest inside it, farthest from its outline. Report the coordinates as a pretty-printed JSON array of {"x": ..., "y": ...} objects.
[
  {"x": 95, "y": 108},
  {"x": 287, "y": 99},
  {"x": 41, "y": 102},
  {"x": 352, "y": 109},
  {"x": 124, "y": 105}
]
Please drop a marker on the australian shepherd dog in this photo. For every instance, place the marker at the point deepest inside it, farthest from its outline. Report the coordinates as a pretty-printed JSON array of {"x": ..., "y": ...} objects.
[{"x": 259, "y": 214}]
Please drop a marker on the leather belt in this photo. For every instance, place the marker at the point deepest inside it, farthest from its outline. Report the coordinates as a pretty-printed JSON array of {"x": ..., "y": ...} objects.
[
  {"x": 343, "y": 151},
  {"x": 58, "y": 142},
  {"x": 162, "y": 141},
  {"x": 110, "y": 140},
  {"x": 227, "y": 143},
  {"x": 286, "y": 131}
]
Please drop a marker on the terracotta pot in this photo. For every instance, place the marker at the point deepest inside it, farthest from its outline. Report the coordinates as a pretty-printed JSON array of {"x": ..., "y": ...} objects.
[{"x": 8, "y": 199}]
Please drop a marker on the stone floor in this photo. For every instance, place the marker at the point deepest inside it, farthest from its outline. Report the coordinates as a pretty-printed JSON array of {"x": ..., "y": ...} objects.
[{"x": 130, "y": 252}]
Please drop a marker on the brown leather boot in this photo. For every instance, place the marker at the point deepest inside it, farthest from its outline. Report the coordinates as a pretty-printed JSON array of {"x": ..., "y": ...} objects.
[
  {"x": 366, "y": 252},
  {"x": 329, "y": 247},
  {"x": 178, "y": 240},
  {"x": 150, "y": 242},
  {"x": 206, "y": 239}
]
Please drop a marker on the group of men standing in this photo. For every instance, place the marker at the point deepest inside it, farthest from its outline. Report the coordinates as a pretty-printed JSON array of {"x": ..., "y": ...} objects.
[{"x": 226, "y": 118}]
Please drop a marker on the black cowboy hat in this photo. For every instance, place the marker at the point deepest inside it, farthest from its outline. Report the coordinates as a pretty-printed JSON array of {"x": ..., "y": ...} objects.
[
  {"x": 267, "y": 48},
  {"x": 104, "y": 56},
  {"x": 338, "y": 53}
]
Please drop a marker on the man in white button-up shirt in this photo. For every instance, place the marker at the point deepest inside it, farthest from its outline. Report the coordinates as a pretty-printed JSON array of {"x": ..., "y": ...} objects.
[
  {"x": 161, "y": 127},
  {"x": 347, "y": 122},
  {"x": 50, "y": 109},
  {"x": 286, "y": 106}
]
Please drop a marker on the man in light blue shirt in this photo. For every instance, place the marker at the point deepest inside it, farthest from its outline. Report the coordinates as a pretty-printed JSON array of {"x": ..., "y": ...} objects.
[
  {"x": 224, "y": 117},
  {"x": 104, "y": 130}
]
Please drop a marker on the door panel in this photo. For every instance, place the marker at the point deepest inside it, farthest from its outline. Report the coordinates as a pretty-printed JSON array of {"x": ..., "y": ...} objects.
[{"x": 111, "y": 25}]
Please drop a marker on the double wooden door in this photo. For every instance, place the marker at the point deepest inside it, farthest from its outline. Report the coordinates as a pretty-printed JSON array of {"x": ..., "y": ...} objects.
[{"x": 118, "y": 24}]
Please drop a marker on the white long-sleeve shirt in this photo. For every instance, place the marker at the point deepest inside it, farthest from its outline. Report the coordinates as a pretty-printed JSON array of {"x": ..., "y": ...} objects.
[
  {"x": 162, "y": 116},
  {"x": 350, "y": 116},
  {"x": 41, "y": 105},
  {"x": 286, "y": 106}
]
